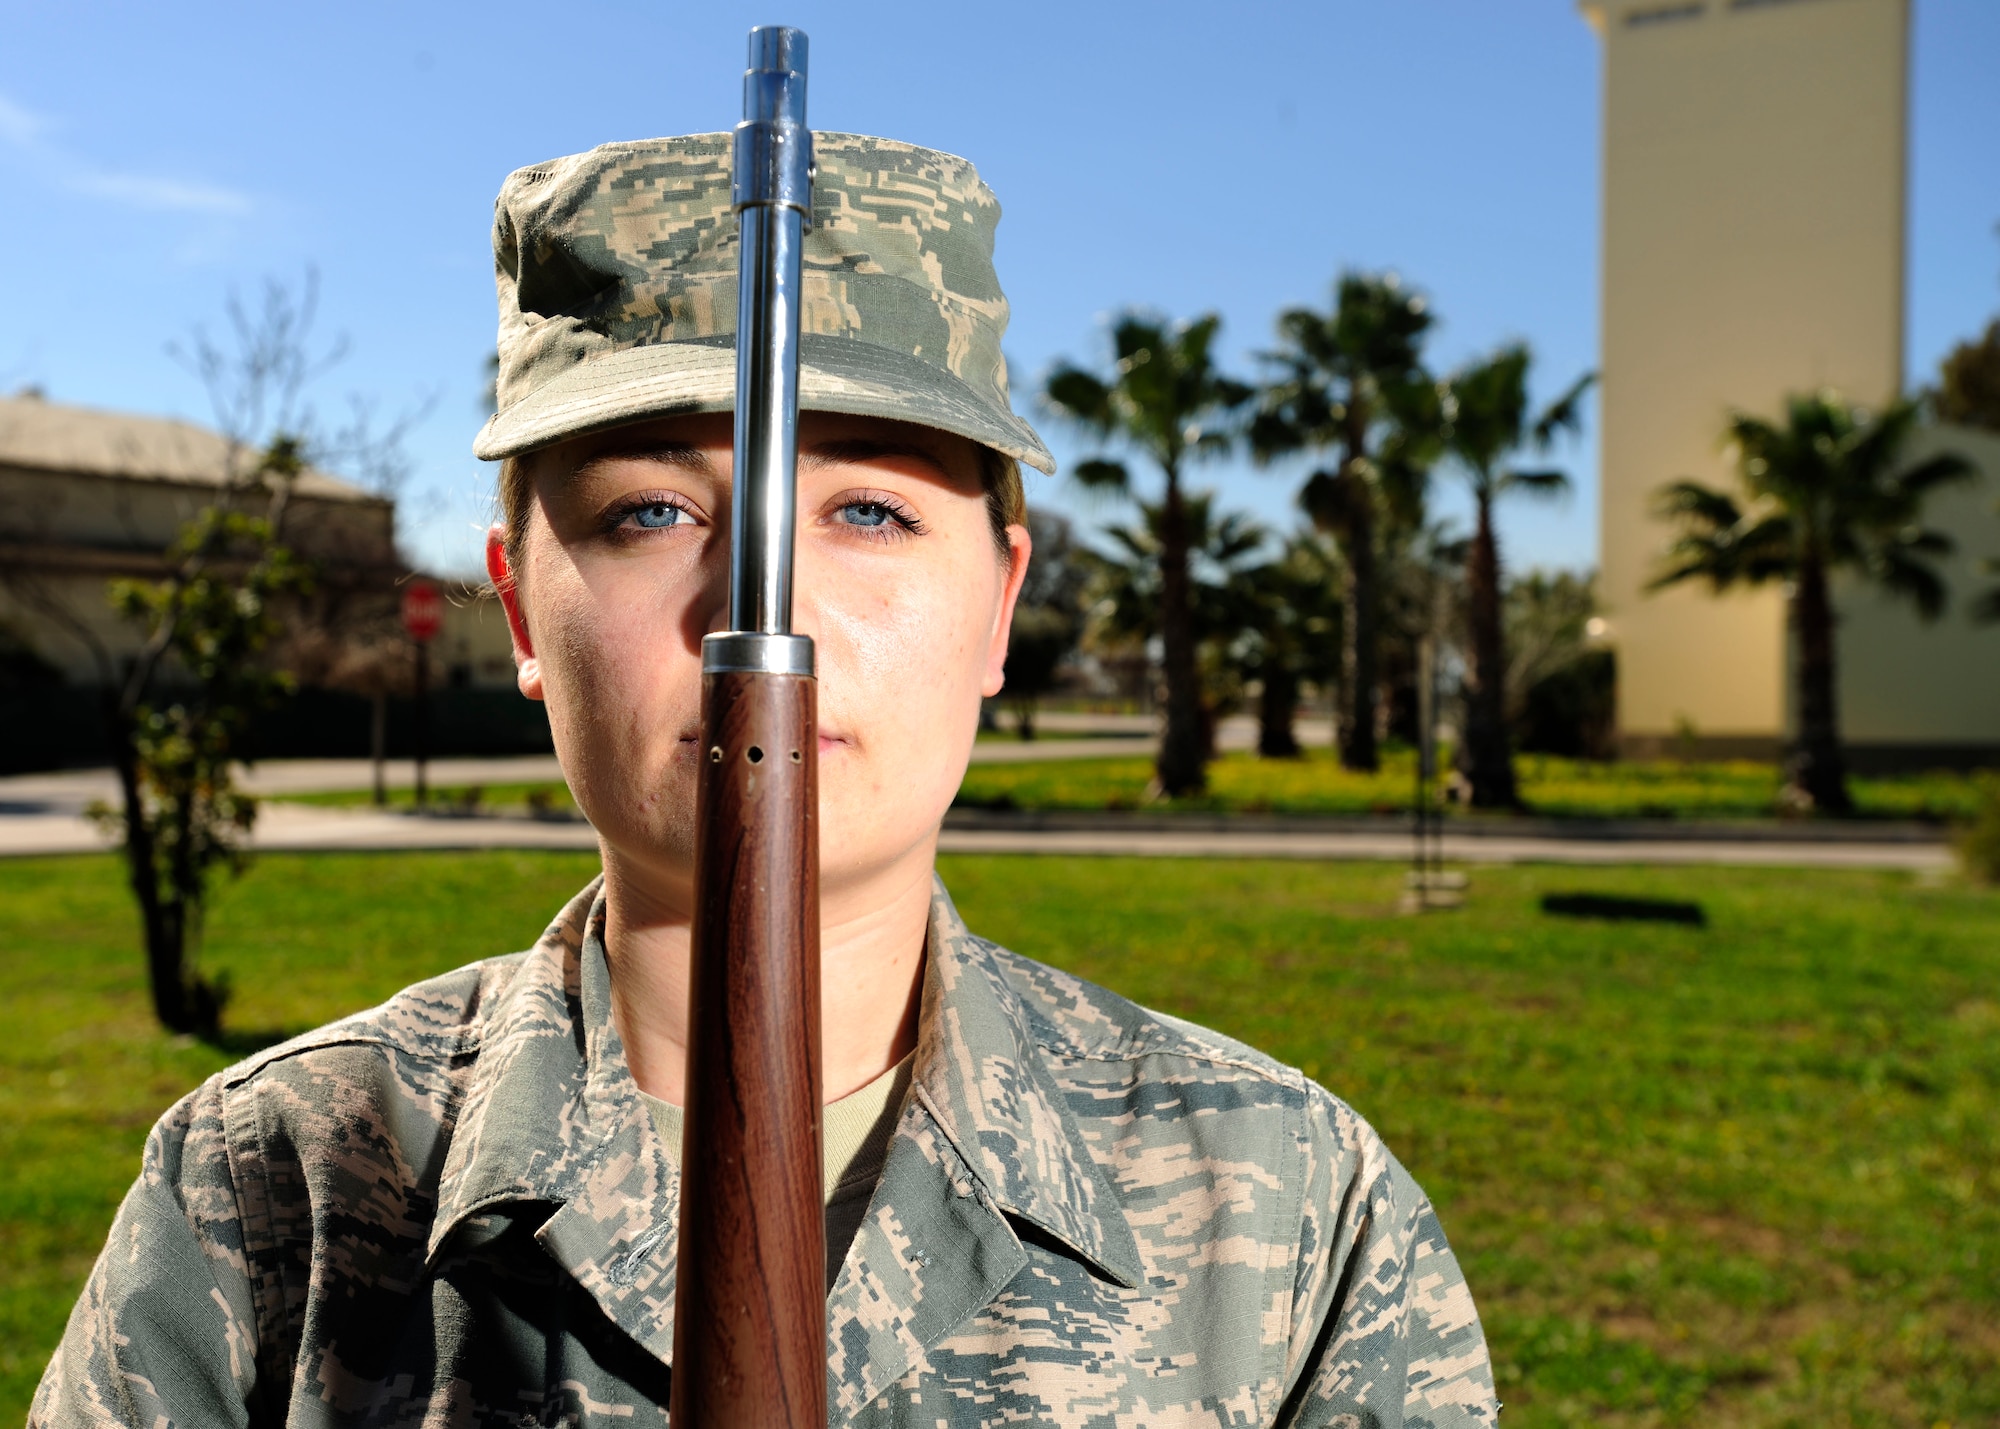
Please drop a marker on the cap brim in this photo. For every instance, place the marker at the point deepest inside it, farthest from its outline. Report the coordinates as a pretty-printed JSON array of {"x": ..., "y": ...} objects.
[{"x": 836, "y": 374}]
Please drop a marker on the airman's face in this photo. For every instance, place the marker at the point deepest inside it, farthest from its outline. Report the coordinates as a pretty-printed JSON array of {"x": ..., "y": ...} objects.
[{"x": 624, "y": 567}]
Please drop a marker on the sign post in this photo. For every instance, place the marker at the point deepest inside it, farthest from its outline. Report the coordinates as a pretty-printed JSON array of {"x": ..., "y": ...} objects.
[{"x": 423, "y": 617}]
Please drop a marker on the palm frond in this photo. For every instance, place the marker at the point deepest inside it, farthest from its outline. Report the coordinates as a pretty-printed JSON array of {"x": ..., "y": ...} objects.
[
  {"x": 1565, "y": 414},
  {"x": 1911, "y": 578},
  {"x": 1136, "y": 337},
  {"x": 1486, "y": 405},
  {"x": 1944, "y": 469},
  {"x": 1540, "y": 483},
  {"x": 1874, "y": 446},
  {"x": 1768, "y": 541},
  {"x": 1080, "y": 396},
  {"x": 1229, "y": 393},
  {"x": 1101, "y": 474},
  {"x": 1272, "y": 434},
  {"x": 1304, "y": 332},
  {"x": 1691, "y": 501},
  {"x": 1722, "y": 544},
  {"x": 1696, "y": 557},
  {"x": 1919, "y": 541},
  {"x": 1132, "y": 541},
  {"x": 1332, "y": 499}
]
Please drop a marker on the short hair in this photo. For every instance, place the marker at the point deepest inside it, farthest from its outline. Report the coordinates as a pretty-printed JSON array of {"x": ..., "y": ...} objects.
[{"x": 999, "y": 478}]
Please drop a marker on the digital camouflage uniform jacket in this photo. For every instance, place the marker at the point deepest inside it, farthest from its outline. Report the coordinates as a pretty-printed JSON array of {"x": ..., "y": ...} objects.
[{"x": 453, "y": 1210}]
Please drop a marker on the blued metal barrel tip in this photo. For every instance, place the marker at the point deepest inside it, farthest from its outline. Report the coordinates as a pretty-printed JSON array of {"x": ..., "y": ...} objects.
[{"x": 778, "y": 47}]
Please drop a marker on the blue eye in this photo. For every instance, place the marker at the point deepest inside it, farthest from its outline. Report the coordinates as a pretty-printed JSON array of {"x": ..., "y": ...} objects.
[
  {"x": 866, "y": 513},
  {"x": 658, "y": 516}
]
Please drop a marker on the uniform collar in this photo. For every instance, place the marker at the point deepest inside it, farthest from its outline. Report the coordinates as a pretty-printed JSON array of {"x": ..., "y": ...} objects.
[
  {"x": 552, "y": 1116},
  {"x": 986, "y": 1152},
  {"x": 983, "y": 1068},
  {"x": 552, "y": 1119}
]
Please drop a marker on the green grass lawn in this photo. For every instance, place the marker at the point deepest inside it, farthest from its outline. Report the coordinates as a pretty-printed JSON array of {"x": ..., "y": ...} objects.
[
  {"x": 1316, "y": 784},
  {"x": 1735, "y": 1175},
  {"x": 519, "y": 799},
  {"x": 1574, "y": 788}
]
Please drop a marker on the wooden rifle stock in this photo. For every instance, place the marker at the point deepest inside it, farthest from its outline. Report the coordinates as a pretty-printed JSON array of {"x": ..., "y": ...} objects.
[
  {"x": 750, "y": 1322},
  {"x": 750, "y": 1297}
]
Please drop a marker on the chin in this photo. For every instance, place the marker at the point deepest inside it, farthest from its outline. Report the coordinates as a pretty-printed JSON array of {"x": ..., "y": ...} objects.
[{"x": 862, "y": 837}]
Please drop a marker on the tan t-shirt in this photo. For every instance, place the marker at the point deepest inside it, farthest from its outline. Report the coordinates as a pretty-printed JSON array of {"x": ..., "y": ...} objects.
[{"x": 857, "y": 1131}]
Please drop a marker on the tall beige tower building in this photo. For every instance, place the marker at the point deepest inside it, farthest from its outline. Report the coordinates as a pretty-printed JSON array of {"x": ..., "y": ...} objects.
[{"x": 1752, "y": 246}]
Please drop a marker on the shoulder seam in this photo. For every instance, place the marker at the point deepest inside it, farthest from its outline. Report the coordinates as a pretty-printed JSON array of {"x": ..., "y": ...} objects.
[
  {"x": 1271, "y": 1073},
  {"x": 1154, "y": 1038},
  {"x": 358, "y": 1030},
  {"x": 453, "y": 1046}
]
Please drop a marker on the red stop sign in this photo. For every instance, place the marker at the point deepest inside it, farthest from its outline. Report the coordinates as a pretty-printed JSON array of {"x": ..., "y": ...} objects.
[{"x": 423, "y": 611}]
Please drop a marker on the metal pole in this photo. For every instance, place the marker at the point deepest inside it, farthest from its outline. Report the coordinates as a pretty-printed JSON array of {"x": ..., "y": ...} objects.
[
  {"x": 772, "y": 186},
  {"x": 1423, "y": 761},
  {"x": 378, "y": 742},
  {"x": 423, "y": 713},
  {"x": 1427, "y": 864}
]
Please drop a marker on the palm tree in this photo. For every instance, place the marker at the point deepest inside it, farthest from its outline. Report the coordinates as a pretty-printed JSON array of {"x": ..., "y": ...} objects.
[
  {"x": 1827, "y": 492},
  {"x": 1284, "y": 629},
  {"x": 1351, "y": 381},
  {"x": 1126, "y": 591},
  {"x": 1165, "y": 399},
  {"x": 1488, "y": 425},
  {"x": 1048, "y": 615}
]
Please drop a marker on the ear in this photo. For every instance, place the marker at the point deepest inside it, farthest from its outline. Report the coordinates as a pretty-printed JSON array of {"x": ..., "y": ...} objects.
[
  {"x": 1019, "y": 548},
  {"x": 527, "y": 669}
]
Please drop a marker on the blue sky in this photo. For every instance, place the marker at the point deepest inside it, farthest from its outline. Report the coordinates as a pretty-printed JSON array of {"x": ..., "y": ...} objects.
[{"x": 1178, "y": 156}]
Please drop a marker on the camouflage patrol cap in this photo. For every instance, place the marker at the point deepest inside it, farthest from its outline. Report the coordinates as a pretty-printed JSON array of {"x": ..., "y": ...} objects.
[{"x": 616, "y": 272}]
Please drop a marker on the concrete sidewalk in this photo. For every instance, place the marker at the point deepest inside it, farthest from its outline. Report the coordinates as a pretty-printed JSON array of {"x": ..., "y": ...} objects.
[
  {"x": 305, "y": 828},
  {"x": 71, "y": 790}
]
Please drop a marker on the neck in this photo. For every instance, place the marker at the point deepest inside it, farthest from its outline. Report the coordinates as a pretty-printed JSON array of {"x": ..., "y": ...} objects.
[{"x": 872, "y": 932}]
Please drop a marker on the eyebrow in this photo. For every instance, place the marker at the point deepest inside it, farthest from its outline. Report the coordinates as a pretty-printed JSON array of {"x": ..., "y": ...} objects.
[
  {"x": 687, "y": 457},
  {"x": 856, "y": 450},
  {"x": 682, "y": 455}
]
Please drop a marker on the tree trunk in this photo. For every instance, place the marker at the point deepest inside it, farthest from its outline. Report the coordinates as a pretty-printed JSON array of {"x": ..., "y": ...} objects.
[
  {"x": 1357, "y": 713},
  {"x": 1360, "y": 645},
  {"x": 1485, "y": 757},
  {"x": 1275, "y": 707},
  {"x": 1182, "y": 746},
  {"x": 166, "y": 947},
  {"x": 1817, "y": 769}
]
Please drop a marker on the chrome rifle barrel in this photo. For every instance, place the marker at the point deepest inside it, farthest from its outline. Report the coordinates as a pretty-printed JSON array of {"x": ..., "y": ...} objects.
[{"x": 773, "y": 201}]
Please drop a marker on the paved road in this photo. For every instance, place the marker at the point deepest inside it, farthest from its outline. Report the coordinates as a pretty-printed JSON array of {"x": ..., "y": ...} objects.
[
  {"x": 44, "y": 813},
  {"x": 1064, "y": 736},
  {"x": 301, "y": 827}
]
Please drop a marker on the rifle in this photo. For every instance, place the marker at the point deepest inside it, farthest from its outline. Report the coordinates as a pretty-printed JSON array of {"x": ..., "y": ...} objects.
[{"x": 750, "y": 1311}]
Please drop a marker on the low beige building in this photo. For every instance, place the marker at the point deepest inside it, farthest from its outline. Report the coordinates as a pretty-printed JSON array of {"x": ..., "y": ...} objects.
[
  {"x": 1754, "y": 180},
  {"x": 89, "y": 496}
]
